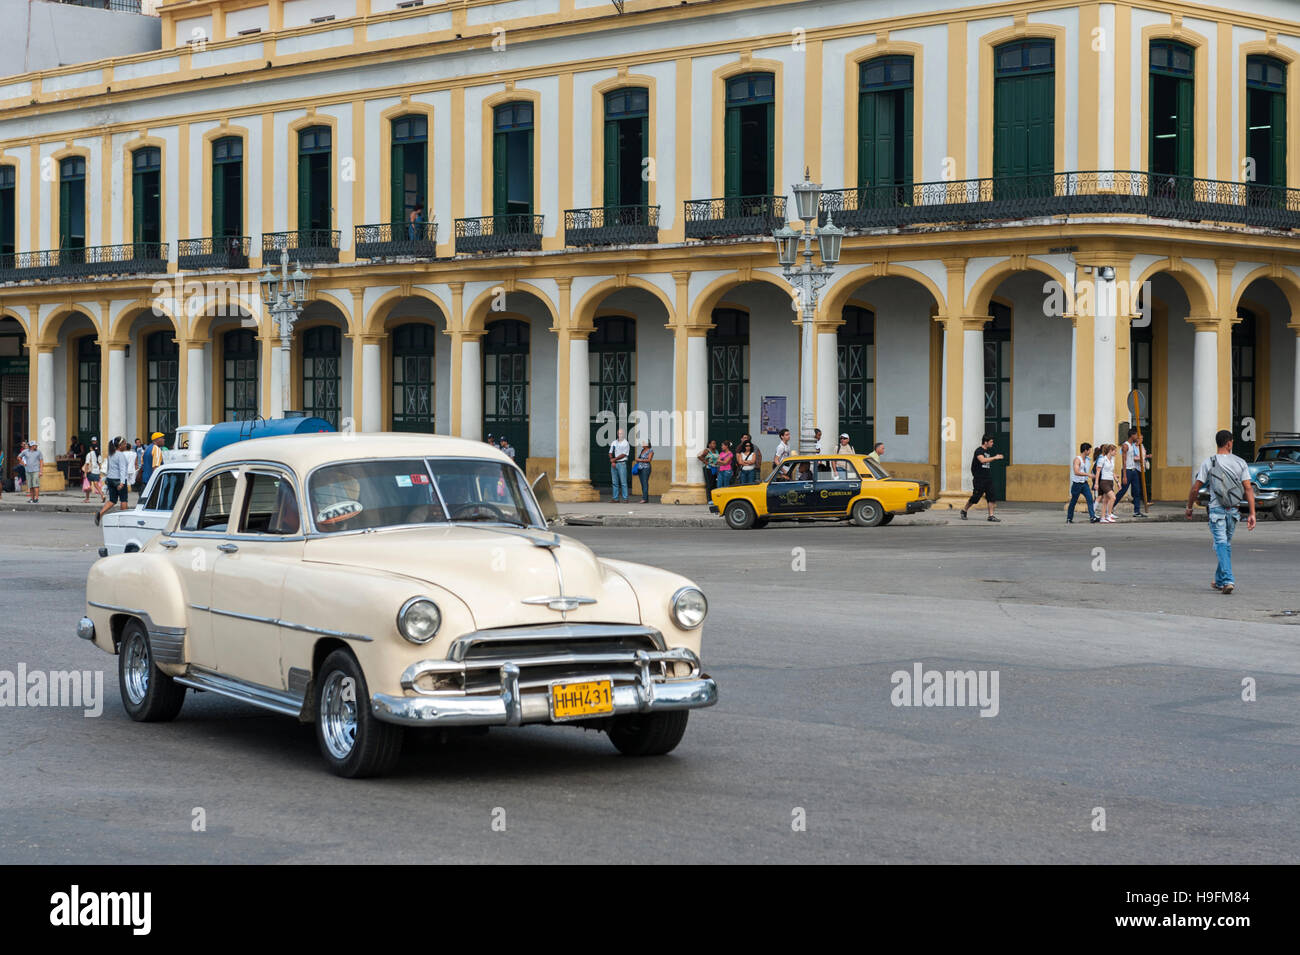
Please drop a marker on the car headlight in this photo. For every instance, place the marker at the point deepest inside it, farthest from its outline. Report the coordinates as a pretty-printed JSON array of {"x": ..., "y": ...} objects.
[
  {"x": 419, "y": 619},
  {"x": 1262, "y": 479},
  {"x": 689, "y": 608}
]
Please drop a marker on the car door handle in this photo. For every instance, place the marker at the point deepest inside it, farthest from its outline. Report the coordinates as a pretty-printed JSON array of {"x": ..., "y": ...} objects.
[
  {"x": 227, "y": 548},
  {"x": 169, "y": 544},
  {"x": 139, "y": 523}
]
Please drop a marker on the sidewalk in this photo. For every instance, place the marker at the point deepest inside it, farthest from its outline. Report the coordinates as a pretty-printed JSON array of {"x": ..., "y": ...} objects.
[{"x": 606, "y": 514}]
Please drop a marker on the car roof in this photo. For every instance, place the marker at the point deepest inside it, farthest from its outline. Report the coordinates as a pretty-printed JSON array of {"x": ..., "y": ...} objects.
[
  {"x": 814, "y": 456},
  {"x": 302, "y": 452}
]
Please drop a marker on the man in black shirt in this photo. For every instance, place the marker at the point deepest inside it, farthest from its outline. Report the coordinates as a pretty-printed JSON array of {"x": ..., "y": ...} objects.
[{"x": 982, "y": 477}]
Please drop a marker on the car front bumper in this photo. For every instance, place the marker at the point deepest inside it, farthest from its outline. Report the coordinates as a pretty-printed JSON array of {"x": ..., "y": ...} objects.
[{"x": 512, "y": 708}]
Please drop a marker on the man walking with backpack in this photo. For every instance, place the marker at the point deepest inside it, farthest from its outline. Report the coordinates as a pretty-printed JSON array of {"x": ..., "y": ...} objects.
[{"x": 1228, "y": 479}]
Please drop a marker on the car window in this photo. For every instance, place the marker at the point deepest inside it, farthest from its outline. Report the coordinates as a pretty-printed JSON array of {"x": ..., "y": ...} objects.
[
  {"x": 786, "y": 472},
  {"x": 165, "y": 491},
  {"x": 270, "y": 505},
  {"x": 832, "y": 470},
  {"x": 210, "y": 509}
]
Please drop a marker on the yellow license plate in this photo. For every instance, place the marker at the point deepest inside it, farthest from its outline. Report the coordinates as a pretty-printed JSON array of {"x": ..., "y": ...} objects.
[{"x": 573, "y": 700}]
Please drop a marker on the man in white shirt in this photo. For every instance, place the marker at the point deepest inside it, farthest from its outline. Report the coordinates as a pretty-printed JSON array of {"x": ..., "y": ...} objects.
[
  {"x": 1224, "y": 473},
  {"x": 1135, "y": 461},
  {"x": 31, "y": 460},
  {"x": 619, "y": 450},
  {"x": 783, "y": 449}
]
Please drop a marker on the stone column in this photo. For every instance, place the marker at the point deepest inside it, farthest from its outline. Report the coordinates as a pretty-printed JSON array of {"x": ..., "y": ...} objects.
[
  {"x": 467, "y": 354},
  {"x": 1295, "y": 380},
  {"x": 573, "y": 392},
  {"x": 46, "y": 429},
  {"x": 948, "y": 417},
  {"x": 1205, "y": 388},
  {"x": 1106, "y": 379},
  {"x": 113, "y": 361},
  {"x": 372, "y": 384},
  {"x": 271, "y": 374},
  {"x": 972, "y": 392},
  {"x": 191, "y": 391},
  {"x": 827, "y": 406}
]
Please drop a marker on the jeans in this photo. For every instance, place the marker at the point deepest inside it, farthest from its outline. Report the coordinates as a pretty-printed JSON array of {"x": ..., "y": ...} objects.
[
  {"x": 644, "y": 475},
  {"x": 618, "y": 477},
  {"x": 1134, "y": 478},
  {"x": 748, "y": 477},
  {"x": 1076, "y": 489},
  {"x": 1222, "y": 525},
  {"x": 724, "y": 479}
]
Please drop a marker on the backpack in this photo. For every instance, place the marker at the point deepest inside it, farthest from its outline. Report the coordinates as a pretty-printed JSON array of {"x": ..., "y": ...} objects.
[{"x": 1226, "y": 488}]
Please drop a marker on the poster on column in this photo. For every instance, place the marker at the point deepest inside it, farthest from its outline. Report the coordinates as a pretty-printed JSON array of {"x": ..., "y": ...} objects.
[{"x": 772, "y": 417}]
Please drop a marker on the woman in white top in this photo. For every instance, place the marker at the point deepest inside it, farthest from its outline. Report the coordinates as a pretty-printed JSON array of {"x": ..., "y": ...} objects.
[
  {"x": 1106, "y": 482},
  {"x": 93, "y": 470}
]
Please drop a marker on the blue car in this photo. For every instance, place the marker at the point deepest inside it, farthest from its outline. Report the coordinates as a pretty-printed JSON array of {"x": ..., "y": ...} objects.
[{"x": 1275, "y": 472}]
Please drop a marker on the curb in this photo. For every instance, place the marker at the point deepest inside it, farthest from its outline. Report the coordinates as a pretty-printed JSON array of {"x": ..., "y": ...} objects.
[{"x": 50, "y": 508}]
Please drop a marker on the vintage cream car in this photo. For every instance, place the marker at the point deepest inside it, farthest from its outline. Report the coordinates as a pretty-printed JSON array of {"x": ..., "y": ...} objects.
[{"x": 418, "y": 587}]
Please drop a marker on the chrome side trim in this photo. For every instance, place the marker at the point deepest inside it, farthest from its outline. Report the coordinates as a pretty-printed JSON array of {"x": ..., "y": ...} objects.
[
  {"x": 461, "y": 646},
  {"x": 288, "y": 625},
  {"x": 277, "y": 701}
]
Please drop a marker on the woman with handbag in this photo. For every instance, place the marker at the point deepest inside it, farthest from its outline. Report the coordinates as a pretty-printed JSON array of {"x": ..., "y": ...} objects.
[{"x": 642, "y": 469}]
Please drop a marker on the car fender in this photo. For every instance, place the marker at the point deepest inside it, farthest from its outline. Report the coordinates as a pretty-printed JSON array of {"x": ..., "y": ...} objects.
[
  {"x": 654, "y": 589},
  {"x": 144, "y": 586}
]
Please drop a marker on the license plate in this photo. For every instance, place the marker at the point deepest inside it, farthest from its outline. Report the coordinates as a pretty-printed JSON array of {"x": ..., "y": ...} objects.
[{"x": 574, "y": 700}]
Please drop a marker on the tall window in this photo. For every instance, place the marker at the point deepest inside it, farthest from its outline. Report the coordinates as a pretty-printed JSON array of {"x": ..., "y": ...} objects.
[
  {"x": 88, "y": 358},
  {"x": 414, "y": 367},
  {"x": 1172, "y": 99},
  {"x": 856, "y": 341},
  {"x": 505, "y": 384},
  {"x": 1024, "y": 118},
  {"x": 409, "y": 165},
  {"x": 728, "y": 345},
  {"x": 627, "y": 138},
  {"x": 239, "y": 358},
  {"x": 750, "y": 135},
  {"x": 321, "y": 351},
  {"x": 146, "y": 194},
  {"x": 1244, "y": 351},
  {"x": 314, "y": 196},
  {"x": 885, "y": 130},
  {"x": 611, "y": 367},
  {"x": 228, "y": 187},
  {"x": 72, "y": 203},
  {"x": 512, "y": 159},
  {"x": 1266, "y": 119},
  {"x": 8, "y": 211},
  {"x": 162, "y": 384}
]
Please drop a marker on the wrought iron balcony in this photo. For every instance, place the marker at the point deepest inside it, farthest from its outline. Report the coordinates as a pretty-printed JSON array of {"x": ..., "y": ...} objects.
[
  {"x": 214, "y": 252},
  {"x": 515, "y": 232},
  {"x": 397, "y": 240},
  {"x": 1096, "y": 192},
  {"x": 734, "y": 216},
  {"x": 96, "y": 261},
  {"x": 612, "y": 225},
  {"x": 124, "y": 6},
  {"x": 304, "y": 245}
]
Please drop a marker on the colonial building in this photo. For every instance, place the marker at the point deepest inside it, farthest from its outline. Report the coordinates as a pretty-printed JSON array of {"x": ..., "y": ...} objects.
[{"x": 519, "y": 214}]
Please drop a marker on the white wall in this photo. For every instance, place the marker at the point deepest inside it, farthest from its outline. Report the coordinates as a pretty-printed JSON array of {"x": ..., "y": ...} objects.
[{"x": 902, "y": 369}]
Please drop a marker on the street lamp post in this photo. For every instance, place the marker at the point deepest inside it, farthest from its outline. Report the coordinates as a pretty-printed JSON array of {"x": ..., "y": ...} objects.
[
  {"x": 285, "y": 295},
  {"x": 807, "y": 280}
]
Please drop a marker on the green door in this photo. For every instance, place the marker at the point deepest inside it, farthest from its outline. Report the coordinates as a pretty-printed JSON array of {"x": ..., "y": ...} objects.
[
  {"x": 1140, "y": 343},
  {"x": 227, "y": 187},
  {"x": 314, "y": 194},
  {"x": 408, "y": 170},
  {"x": 728, "y": 346},
  {"x": 414, "y": 395},
  {"x": 8, "y": 212},
  {"x": 750, "y": 144},
  {"x": 162, "y": 385},
  {"x": 72, "y": 203},
  {"x": 146, "y": 195},
  {"x": 1244, "y": 356},
  {"x": 997, "y": 392},
  {"x": 1171, "y": 149},
  {"x": 885, "y": 132},
  {"x": 505, "y": 384},
  {"x": 321, "y": 351},
  {"x": 88, "y": 369},
  {"x": 1266, "y": 127},
  {"x": 1024, "y": 119},
  {"x": 512, "y": 160},
  {"x": 611, "y": 358},
  {"x": 239, "y": 357},
  {"x": 857, "y": 361},
  {"x": 627, "y": 141}
]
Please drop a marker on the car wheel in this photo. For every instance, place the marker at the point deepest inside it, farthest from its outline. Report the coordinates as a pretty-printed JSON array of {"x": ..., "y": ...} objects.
[
  {"x": 352, "y": 741},
  {"x": 740, "y": 515},
  {"x": 761, "y": 522},
  {"x": 886, "y": 519},
  {"x": 648, "y": 734},
  {"x": 148, "y": 694},
  {"x": 1287, "y": 507},
  {"x": 868, "y": 514}
]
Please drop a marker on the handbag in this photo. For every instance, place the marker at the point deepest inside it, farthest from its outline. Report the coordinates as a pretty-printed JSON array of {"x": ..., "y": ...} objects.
[
  {"x": 636, "y": 468},
  {"x": 85, "y": 483}
]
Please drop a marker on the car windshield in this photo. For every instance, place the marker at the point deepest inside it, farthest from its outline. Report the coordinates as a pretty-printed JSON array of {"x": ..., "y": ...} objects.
[
  {"x": 1279, "y": 454},
  {"x": 364, "y": 495}
]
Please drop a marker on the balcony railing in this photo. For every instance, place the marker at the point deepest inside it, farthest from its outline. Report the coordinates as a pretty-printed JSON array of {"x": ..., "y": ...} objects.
[
  {"x": 1098, "y": 192},
  {"x": 516, "y": 232},
  {"x": 397, "y": 240},
  {"x": 125, "y": 6},
  {"x": 304, "y": 245},
  {"x": 214, "y": 252},
  {"x": 94, "y": 261},
  {"x": 612, "y": 225},
  {"x": 734, "y": 216}
]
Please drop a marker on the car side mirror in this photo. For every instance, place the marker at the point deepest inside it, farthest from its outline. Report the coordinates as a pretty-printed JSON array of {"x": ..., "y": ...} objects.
[{"x": 542, "y": 491}]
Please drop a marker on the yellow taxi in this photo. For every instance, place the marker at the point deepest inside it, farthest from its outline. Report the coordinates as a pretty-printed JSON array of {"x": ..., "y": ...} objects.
[{"x": 834, "y": 487}]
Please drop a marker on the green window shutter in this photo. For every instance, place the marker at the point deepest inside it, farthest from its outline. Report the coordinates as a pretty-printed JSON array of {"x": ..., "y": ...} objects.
[
  {"x": 397, "y": 181},
  {"x": 532, "y": 199},
  {"x": 1004, "y": 151},
  {"x": 905, "y": 174},
  {"x": 500, "y": 193},
  {"x": 731, "y": 148},
  {"x": 1186, "y": 129},
  {"x": 417, "y": 163},
  {"x": 866, "y": 139},
  {"x": 645, "y": 151},
  {"x": 883, "y": 144},
  {"x": 304, "y": 192},
  {"x": 218, "y": 200},
  {"x": 65, "y": 215},
  {"x": 1040, "y": 102},
  {"x": 1277, "y": 138},
  {"x": 613, "y": 164},
  {"x": 771, "y": 147}
]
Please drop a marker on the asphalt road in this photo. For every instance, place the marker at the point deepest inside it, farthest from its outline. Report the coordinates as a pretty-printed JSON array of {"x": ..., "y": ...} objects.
[{"x": 1118, "y": 688}]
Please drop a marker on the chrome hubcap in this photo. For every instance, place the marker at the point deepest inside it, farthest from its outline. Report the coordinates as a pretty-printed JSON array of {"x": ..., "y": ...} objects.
[
  {"x": 136, "y": 668},
  {"x": 338, "y": 717}
]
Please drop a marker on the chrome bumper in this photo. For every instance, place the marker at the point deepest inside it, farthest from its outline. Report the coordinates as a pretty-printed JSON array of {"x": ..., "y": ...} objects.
[
  {"x": 915, "y": 507},
  {"x": 512, "y": 708}
]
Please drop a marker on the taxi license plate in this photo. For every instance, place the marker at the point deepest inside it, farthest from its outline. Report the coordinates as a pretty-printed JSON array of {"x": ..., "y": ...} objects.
[{"x": 574, "y": 700}]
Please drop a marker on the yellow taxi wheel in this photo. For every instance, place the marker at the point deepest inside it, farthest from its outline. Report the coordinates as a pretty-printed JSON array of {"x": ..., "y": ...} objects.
[
  {"x": 886, "y": 519},
  {"x": 739, "y": 515},
  {"x": 868, "y": 513}
]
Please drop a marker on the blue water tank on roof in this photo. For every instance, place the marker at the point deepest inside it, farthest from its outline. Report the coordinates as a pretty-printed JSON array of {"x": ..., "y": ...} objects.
[{"x": 229, "y": 432}]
